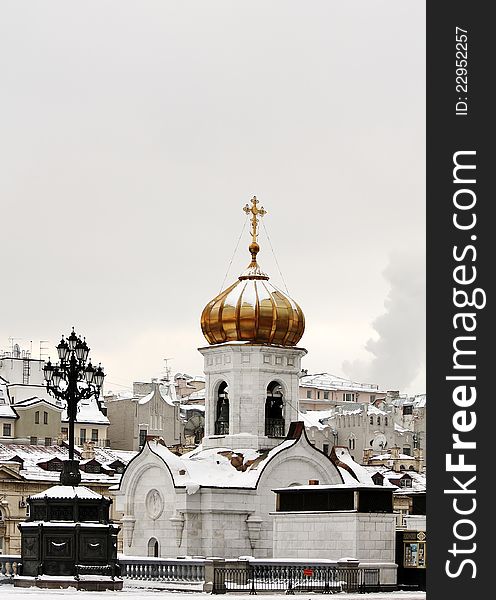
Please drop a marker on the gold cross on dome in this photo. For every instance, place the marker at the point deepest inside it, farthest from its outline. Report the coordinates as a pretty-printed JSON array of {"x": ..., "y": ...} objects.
[{"x": 255, "y": 211}]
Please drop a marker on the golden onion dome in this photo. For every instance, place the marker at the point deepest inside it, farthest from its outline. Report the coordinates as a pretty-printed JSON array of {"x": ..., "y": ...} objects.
[{"x": 252, "y": 309}]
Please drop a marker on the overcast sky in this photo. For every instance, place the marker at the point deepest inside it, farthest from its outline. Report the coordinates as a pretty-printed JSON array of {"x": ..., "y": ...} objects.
[{"x": 133, "y": 132}]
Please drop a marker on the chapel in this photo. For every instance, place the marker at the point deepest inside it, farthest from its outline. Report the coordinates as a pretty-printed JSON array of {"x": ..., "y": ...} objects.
[{"x": 218, "y": 500}]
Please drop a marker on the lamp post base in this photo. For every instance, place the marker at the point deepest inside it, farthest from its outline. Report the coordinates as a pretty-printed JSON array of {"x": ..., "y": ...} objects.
[
  {"x": 70, "y": 474},
  {"x": 91, "y": 583}
]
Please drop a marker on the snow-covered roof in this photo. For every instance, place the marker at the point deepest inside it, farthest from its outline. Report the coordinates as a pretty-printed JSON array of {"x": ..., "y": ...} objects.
[
  {"x": 198, "y": 395},
  {"x": 67, "y": 491},
  {"x": 190, "y": 407},
  {"x": 373, "y": 410},
  {"x": 33, "y": 455},
  {"x": 164, "y": 390},
  {"x": 389, "y": 456},
  {"x": 6, "y": 412},
  {"x": 316, "y": 418},
  {"x": 344, "y": 456},
  {"x": 332, "y": 486},
  {"x": 418, "y": 479},
  {"x": 27, "y": 402},
  {"x": 324, "y": 418},
  {"x": 190, "y": 378},
  {"x": 213, "y": 467},
  {"x": 327, "y": 381},
  {"x": 121, "y": 395},
  {"x": 418, "y": 401},
  {"x": 88, "y": 412}
]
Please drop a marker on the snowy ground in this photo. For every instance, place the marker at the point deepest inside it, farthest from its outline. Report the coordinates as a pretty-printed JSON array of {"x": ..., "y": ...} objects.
[{"x": 8, "y": 592}]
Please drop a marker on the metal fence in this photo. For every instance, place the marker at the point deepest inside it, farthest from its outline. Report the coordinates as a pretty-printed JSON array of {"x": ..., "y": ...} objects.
[
  {"x": 239, "y": 576},
  {"x": 166, "y": 570},
  {"x": 291, "y": 579}
]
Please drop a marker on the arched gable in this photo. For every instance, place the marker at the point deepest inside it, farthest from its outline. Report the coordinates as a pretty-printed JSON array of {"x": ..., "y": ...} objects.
[{"x": 136, "y": 468}]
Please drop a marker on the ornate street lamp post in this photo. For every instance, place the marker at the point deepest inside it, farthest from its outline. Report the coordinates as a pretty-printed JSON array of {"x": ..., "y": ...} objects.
[
  {"x": 68, "y": 533},
  {"x": 73, "y": 379}
]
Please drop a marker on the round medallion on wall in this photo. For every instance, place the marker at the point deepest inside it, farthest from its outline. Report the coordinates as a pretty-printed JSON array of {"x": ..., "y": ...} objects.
[{"x": 154, "y": 504}]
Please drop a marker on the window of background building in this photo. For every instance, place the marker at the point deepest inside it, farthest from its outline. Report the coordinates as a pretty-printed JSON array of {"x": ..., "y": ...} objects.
[
  {"x": 142, "y": 437},
  {"x": 408, "y": 410},
  {"x": 33, "y": 440},
  {"x": 45, "y": 417},
  {"x": 7, "y": 429},
  {"x": 309, "y": 393},
  {"x": 65, "y": 432},
  {"x": 82, "y": 435},
  {"x": 48, "y": 441},
  {"x": 326, "y": 395},
  {"x": 348, "y": 397},
  {"x": 318, "y": 395},
  {"x": 94, "y": 435},
  {"x": 407, "y": 450},
  {"x": 372, "y": 397},
  {"x": 37, "y": 417},
  {"x": 325, "y": 448},
  {"x": 371, "y": 420},
  {"x": 378, "y": 420},
  {"x": 385, "y": 421}
]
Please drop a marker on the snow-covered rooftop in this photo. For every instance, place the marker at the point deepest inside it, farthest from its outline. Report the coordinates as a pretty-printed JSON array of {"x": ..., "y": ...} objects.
[
  {"x": 316, "y": 418},
  {"x": 164, "y": 390},
  {"x": 6, "y": 412},
  {"x": 88, "y": 412},
  {"x": 389, "y": 456},
  {"x": 333, "y": 486},
  {"x": 418, "y": 401},
  {"x": 324, "y": 418},
  {"x": 348, "y": 464},
  {"x": 198, "y": 395},
  {"x": 327, "y": 381},
  {"x": 32, "y": 455},
  {"x": 35, "y": 400},
  {"x": 190, "y": 407},
  {"x": 214, "y": 466},
  {"x": 419, "y": 483}
]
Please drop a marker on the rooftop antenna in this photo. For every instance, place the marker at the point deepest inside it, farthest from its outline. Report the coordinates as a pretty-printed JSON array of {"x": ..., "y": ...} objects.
[
  {"x": 167, "y": 368},
  {"x": 43, "y": 349},
  {"x": 12, "y": 343}
]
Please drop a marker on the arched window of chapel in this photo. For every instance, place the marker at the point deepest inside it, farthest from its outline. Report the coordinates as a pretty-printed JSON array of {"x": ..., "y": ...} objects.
[
  {"x": 222, "y": 410},
  {"x": 274, "y": 411}
]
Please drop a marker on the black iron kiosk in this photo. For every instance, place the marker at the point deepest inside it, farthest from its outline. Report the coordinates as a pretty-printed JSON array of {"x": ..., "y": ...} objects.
[{"x": 68, "y": 539}]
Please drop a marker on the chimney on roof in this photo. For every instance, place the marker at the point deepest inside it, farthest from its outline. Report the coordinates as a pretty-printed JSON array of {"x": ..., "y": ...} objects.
[
  {"x": 395, "y": 452},
  {"x": 88, "y": 452},
  {"x": 367, "y": 455}
]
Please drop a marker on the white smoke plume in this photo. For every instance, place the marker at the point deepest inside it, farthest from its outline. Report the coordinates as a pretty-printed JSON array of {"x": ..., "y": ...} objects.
[{"x": 398, "y": 353}]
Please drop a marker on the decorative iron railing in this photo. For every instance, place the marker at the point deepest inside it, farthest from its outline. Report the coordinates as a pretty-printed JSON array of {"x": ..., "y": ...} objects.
[
  {"x": 274, "y": 428},
  {"x": 240, "y": 576},
  {"x": 291, "y": 579},
  {"x": 221, "y": 428}
]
